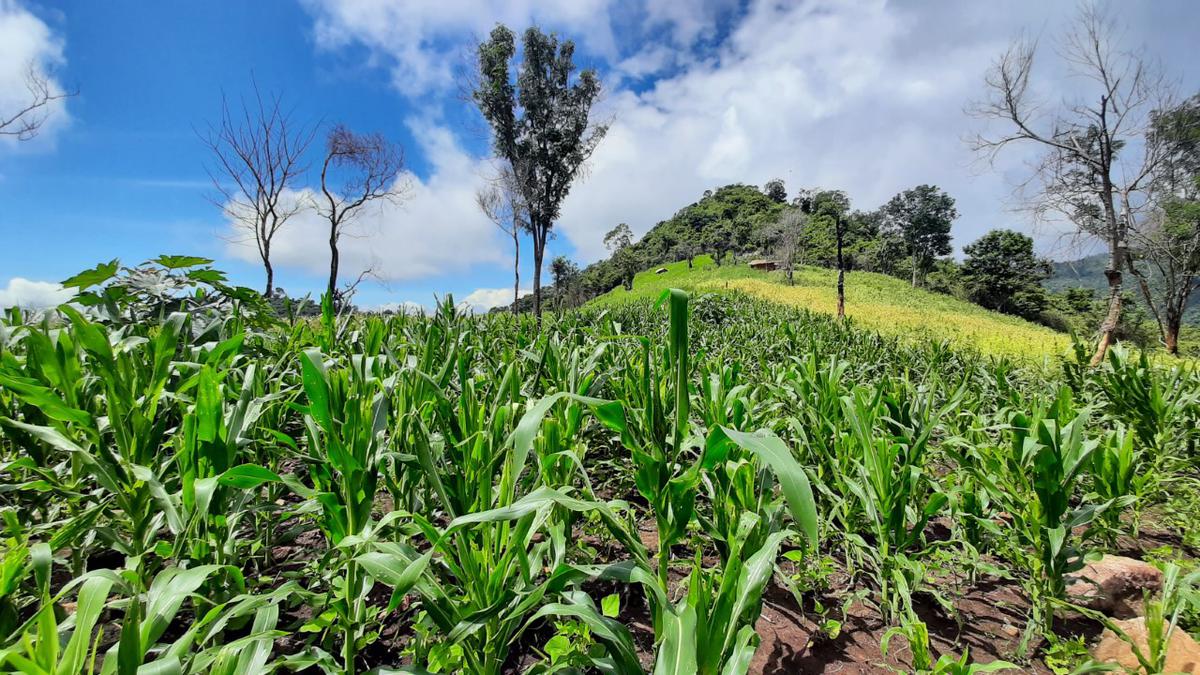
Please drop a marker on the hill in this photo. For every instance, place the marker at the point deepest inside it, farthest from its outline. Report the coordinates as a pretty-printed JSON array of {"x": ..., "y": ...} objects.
[
  {"x": 1089, "y": 273},
  {"x": 875, "y": 301}
]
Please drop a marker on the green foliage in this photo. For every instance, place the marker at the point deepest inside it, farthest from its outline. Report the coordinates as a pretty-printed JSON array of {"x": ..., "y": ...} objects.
[
  {"x": 239, "y": 497},
  {"x": 1002, "y": 273},
  {"x": 922, "y": 216},
  {"x": 540, "y": 122}
]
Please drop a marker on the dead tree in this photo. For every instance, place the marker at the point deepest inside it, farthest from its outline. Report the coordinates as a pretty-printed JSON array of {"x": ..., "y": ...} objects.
[
  {"x": 258, "y": 155},
  {"x": 358, "y": 169},
  {"x": 501, "y": 202},
  {"x": 25, "y": 122},
  {"x": 1082, "y": 174}
]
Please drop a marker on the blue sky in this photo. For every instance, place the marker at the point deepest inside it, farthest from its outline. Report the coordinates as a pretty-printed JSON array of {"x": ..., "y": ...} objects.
[{"x": 865, "y": 96}]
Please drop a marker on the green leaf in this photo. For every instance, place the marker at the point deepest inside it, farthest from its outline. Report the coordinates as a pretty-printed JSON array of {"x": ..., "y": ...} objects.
[
  {"x": 677, "y": 651},
  {"x": 97, "y": 275},
  {"x": 396, "y": 571},
  {"x": 246, "y": 476},
  {"x": 312, "y": 366},
  {"x": 610, "y": 605},
  {"x": 92, "y": 597},
  {"x": 175, "y": 262},
  {"x": 772, "y": 451}
]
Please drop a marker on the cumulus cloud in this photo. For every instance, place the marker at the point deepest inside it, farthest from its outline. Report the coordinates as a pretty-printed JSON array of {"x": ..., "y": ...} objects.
[
  {"x": 406, "y": 307},
  {"x": 29, "y": 47},
  {"x": 863, "y": 95},
  {"x": 33, "y": 294},
  {"x": 436, "y": 230},
  {"x": 422, "y": 41},
  {"x": 484, "y": 299}
]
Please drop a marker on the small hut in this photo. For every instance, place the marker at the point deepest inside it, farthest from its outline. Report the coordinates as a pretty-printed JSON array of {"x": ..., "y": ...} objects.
[{"x": 764, "y": 265}]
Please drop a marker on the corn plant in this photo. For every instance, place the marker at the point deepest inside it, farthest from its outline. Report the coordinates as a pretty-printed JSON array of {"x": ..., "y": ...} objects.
[
  {"x": 346, "y": 419},
  {"x": 891, "y": 488}
]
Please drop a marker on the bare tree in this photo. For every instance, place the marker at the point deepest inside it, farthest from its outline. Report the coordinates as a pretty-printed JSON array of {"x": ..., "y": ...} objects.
[
  {"x": 787, "y": 240},
  {"x": 358, "y": 169},
  {"x": 259, "y": 153},
  {"x": 25, "y": 122},
  {"x": 1082, "y": 174},
  {"x": 501, "y": 202}
]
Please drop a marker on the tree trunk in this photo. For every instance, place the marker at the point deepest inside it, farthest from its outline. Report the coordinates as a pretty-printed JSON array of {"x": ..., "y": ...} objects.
[
  {"x": 539, "y": 246},
  {"x": 1116, "y": 259},
  {"x": 516, "y": 268},
  {"x": 333, "y": 264},
  {"x": 841, "y": 283},
  {"x": 266, "y": 258},
  {"x": 914, "y": 270},
  {"x": 1171, "y": 334}
]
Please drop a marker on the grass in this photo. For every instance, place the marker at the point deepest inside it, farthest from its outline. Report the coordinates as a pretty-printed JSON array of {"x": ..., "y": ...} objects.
[{"x": 875, "y": 301}]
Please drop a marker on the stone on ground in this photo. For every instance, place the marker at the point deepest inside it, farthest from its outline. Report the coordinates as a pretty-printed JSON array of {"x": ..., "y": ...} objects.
[
  {"x": 1114, "y": 585},
  {"x": 1183, "y": 654}
]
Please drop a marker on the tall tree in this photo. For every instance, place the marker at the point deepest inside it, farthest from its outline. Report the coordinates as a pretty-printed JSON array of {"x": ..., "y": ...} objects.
[
  {"x": 775, "y": 190},
  {"x": 565, "y": 274},
  {"x": 502, "y": 203},
  {"x": 619, "y": 241},
  {"x": 1082, "y": 174},
  {"x": 1167, "y": 239},
  {"x": 358, "y": 169},
  {"x": 541, "y": 124},
  {"x": 829, "y": 207},
  {"x": 259, "y": 159},
  {"x": 922, "y": 216},
  {"x": 24, "y": 122},
  {"x": 1001, "y": 272}
]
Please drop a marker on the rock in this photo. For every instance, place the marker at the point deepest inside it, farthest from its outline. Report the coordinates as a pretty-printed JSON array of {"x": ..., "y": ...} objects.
[
  {"x": 1183, "y": 654},
  {"x": 1114, "y": 585}
]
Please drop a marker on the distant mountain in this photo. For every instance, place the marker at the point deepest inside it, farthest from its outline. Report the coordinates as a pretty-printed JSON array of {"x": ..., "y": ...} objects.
[
  {"x": 1089, "y": 273},
  {"x": 1083, "y": 273}
]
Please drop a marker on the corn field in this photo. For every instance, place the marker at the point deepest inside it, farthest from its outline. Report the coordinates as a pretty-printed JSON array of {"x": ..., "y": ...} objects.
[{"x": 197, "y": 492}]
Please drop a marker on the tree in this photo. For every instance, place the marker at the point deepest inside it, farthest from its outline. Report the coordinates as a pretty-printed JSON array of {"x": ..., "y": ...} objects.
[
  {"x": 540, "y": 124},
  {"x": 26, "y": 121},
  {"x": 786, "y": 239},
  {"x": 619, "y": 241},
  {"x": 831, "y": 207},
  {"x": 565, "y": 274},
  {"x": 258, "y": 160},
  {"x": 1082, "y": 174},
  {"x": 775, "y": 190},
  {"x": 922, "y": 216},
  {"x": 502, "y": 203},
  {"x": 358, "y": 169},
  {"x": 1002, "y": 273},
  {"x": 685, "y": 250},
  {"x": 1168, "y": 239}
]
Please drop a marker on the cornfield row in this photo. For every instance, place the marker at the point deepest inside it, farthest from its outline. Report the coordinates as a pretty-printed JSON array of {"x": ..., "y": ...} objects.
[{"x": 189, "y": 493}]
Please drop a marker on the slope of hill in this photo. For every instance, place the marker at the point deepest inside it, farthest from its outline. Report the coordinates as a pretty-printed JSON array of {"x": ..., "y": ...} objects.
[
  {"x": 879, "y": 302},
  {"x": 1089, "y": 273},
  {"x": 1083, "y": 273}
]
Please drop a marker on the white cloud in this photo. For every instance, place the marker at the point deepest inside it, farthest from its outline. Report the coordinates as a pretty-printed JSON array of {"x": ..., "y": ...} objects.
[
  {"x": 484, "y": 299},
  {"x": 422, "y": 42},
  {"x": 436, "y": 230},
  {"x": 26, "y": 43},
  {"x": 862, "y": 95},
  {"x": 406, "y": 307},
  {"x": 33, "y": 294}
]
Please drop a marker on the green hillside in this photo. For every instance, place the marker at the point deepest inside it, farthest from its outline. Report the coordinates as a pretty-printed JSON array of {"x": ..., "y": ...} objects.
[
  {"x": 1089, "y": 273},
  {"x": 879, "y": 302}
]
